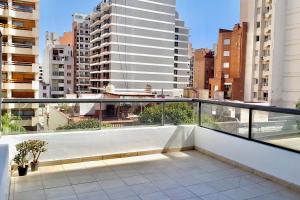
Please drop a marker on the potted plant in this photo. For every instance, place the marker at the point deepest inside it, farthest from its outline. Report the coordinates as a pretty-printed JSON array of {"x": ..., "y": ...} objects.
[
  {"x": 21, "y": 158},
  {"x": 36, "y": 147}
]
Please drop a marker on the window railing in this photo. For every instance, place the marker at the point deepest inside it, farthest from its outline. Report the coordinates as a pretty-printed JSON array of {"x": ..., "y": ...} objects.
[{"x": 277, "y": 127}]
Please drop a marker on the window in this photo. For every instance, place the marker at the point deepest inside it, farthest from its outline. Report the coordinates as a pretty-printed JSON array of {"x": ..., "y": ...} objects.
[
  {"x": 68, "y": 82},
  {"x": 69, "y": 67},
  {"x": 257, "y": 24},
  {"x": 44, "y": 95},
  {"x": 226, "y": 53},
  {"x": 226, "y": 65},
  {"x": 226, "y": 42},
  {"x": 44, "y": 87},
  {"x": 254, "y": 94},
  {"x": 69, "y": 74},
  {"x": 226, "y": 75},
  {"x": 257, "y": 38}
]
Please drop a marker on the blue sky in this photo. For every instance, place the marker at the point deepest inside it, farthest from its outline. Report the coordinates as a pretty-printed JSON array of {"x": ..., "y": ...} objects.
[{"x": 203, "y": 17}]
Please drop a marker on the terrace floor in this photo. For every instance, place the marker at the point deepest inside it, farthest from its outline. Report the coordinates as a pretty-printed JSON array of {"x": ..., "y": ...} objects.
[{"x": 186, "y": 175}]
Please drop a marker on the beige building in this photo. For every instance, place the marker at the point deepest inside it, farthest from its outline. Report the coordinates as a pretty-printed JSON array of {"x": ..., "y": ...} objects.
[
  {"x": 19, "y": 24},
  {"x": 58, "y": 66},
  {"x": 273, "y": 51}
]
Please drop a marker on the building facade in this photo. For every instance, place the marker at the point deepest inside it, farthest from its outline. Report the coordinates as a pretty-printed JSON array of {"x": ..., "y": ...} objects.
[
  {"x": 272, "y": 72},
  {"x": 58, "y": 67},
  {"x": 229, "y": 73},
  {"x": 81, "y": 32},
  {"x": 203, "y": 68},
  {"x": 138, "y": 43},
  {"x": 19, "y": 25}
]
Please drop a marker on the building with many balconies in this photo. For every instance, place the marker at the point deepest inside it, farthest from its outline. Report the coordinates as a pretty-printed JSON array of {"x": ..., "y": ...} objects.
[
  {"x": 19, "y": 25},
  {"x": 138, "y": 43},
  {"x": 58, "y": 66},
  {"x": 272, "y": 72},
  {"x": 81, "y": 31}
]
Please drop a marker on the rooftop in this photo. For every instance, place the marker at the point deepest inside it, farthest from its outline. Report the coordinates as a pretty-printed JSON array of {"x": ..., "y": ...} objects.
[{"x": 187, "y": 175}]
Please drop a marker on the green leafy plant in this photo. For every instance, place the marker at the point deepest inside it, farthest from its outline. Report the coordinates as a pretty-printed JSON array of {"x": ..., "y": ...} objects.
[
  {"x": 36, "y": 147},
  {"x": 86, "y": 124},
  {"x": 11, "y": 124},
  {"x": 21, "y": 158},
  {"x": 175, "y": 113},
  {"x": 209, "y": 122}
]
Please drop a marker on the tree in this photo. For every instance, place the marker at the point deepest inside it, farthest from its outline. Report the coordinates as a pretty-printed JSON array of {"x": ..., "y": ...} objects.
[
  {"x": 175, "y": 113},
  {"x": 11, "y": 124}
]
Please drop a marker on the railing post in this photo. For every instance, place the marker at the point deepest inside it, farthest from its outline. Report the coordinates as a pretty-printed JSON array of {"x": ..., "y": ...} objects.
[
  {"x": 199, "y": 113},
  {"x": 163, "y": 114},
  {"x": 100, "y": 115},
  {"x": 250, "y": 124}
]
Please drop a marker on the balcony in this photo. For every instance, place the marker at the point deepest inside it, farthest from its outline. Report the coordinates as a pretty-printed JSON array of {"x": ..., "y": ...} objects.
[
  {"x": 12, "y": 85},
  {"x": 20, "y": 48},
  {"x": 15, "y": 66},
  {"x": 224, "y": 151}
]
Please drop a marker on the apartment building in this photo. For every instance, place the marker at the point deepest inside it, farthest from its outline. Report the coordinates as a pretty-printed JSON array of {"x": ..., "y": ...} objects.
[
  {"x": 81, "y": 32},
  {"x": 138, "y": 43},
  {"x": 58, "y": 66},
  {"x": 203, "y": 68},
  {"x": 19, "y": 25},
  {"x": 272, "y": 72},
  {"x": 229, "y": 72}
]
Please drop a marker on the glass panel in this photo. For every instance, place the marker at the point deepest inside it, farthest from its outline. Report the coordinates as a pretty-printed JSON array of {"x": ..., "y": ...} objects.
[
  {"x": 181, "y": 113},
  {"x": 224, "y": 118},
  {"x": 277, "y": 128},
  {"x": 118, "y": 115},
  {"x": 69, "y": 117}
]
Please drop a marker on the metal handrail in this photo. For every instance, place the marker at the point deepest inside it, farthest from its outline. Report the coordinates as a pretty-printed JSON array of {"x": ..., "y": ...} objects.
[{"x": 158, "y": 100}]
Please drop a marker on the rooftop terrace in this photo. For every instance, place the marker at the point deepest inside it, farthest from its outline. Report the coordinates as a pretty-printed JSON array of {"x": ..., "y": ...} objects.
[{"x": 187, "y": 175}]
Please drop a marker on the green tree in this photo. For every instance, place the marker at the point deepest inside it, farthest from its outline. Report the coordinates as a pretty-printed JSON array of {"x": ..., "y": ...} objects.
[
  {"x": 175, "y": 113},
  {"x": 86, "y": 124},
  {"x": 11, "y": 124}
]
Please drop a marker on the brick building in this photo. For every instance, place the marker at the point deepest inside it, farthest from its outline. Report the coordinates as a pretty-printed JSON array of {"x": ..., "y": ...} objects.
[
  {"x": 230, "y": 63},
  {"x": 203, "y": 68}
]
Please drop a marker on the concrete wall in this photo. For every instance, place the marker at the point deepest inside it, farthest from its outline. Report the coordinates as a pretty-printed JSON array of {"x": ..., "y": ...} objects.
[
  {"x": 105, "y": 142},
  {"x": 4, "y": 172},
  {"x": 272, "y": 161}
]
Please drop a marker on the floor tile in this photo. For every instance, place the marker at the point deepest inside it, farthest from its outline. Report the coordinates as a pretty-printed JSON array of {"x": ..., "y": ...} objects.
[
  {"x": 201, "y": 189},
  {"x": 144, "y": 188},
  {"x": 135, "y": 180},
  {"x": 154, "y": 196},
  {"x": 60, "y": 193},
  {"x": 179, "y": 194},
  {"x": 30, "y": 195},
  {"x": 86, "y": 187}
]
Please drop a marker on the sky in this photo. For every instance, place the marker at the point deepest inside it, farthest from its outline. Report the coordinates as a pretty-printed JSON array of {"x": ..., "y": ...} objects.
[{"x": 202, "y": 17}]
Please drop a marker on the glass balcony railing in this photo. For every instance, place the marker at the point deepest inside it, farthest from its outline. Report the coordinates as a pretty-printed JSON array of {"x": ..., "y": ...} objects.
[{"x": 277, "y": 127}]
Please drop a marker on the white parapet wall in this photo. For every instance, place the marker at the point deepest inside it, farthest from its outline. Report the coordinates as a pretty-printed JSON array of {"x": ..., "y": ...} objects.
[
  {"x": 272, "y": 161},
  {"x": 4, "y": 172},
  {"x": 72, "y": 145}
]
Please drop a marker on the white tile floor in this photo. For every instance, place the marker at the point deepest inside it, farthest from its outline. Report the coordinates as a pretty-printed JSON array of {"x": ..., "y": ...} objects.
[{"x": 174, "y": 176}]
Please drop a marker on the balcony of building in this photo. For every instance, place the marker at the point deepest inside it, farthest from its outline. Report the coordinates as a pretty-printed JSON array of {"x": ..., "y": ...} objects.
[
  {"x": 24, "y": 10},
  {"x": 20, "y": 81},
  {"x": 20, "y": 45},
  {"x": 19, "y": 27},
  {"x": 221, "y": 151}
]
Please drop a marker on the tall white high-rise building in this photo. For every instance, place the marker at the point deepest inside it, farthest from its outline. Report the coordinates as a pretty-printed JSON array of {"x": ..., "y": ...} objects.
[
  {"x": 273, "y": 51},
  {"x": 136, "y": 43}
]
